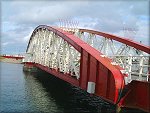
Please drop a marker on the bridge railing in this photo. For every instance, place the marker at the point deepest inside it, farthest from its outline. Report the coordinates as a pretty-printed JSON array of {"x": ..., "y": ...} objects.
[
  {"x": 133, "y": 57},
  {"x": 136, "y": 67}
]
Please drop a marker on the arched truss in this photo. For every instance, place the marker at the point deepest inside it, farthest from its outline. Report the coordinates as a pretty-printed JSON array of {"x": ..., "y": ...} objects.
[
  {"x": 63, "y": 53},
  {"x": 67, "y": 57},
  {"x": 133, "y": 57},
  {"x": 49, "y": 49}
]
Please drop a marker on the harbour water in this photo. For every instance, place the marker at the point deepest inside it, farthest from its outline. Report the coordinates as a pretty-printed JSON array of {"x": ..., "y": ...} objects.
[{"x": 41, "y": 92}]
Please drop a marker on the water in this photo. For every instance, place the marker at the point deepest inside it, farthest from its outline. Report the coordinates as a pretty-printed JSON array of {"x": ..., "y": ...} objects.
[{"x": 41, "y": 92}]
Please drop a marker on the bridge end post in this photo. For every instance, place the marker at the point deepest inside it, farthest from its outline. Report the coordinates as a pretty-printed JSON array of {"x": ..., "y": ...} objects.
[{"x": 137, "y": 96}]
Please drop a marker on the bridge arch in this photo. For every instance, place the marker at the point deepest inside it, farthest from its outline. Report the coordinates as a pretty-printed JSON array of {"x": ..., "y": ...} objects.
[{"x": 69, "y": 58}]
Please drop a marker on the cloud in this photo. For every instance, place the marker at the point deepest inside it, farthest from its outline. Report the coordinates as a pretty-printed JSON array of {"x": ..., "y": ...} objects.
[
  {"x": 139, "y": 35},
  {"x": 7, "y": 43},
  {"x": 23, "y": 16},
  {"x": 43, "y": 12},
  {"x": 111, "y": 15},
  {"x": 27, "y": 37},
  {"x": 137, "y": 10},
  {"x": 15, "y": 33},
  {"x": 143, "y": 33}
]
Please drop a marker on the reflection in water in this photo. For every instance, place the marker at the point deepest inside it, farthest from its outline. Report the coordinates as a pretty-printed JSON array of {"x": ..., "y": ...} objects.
[
  {"x": 41, "y": 92},
  {"x": 38, "y": 96},
  {"x": 49, "y": 94}
]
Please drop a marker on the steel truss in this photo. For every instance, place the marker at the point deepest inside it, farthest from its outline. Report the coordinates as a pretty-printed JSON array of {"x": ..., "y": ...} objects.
[
  {"x": 100, "y": 63},
  {"x": 49, "y": 49},
  {"x": 58, "y": 54},
  {"x": 135, "y": 63}
]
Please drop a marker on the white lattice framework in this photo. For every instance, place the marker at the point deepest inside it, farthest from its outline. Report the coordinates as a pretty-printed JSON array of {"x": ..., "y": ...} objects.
[
  {"x": 135, "y": 63},
  {"x": 48, "y": 49}
]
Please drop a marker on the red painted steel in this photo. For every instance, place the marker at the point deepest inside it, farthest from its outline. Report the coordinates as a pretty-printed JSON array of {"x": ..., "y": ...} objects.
[
  {"x": 63, "y": 76},
  {"x": 13, "y": 57},
  {"x": 95, "y": 68},
  {"x": 89, "y": 72},
  {"x": 138, "y": 96},
  {"x": 83, "y": 71},
  {"x": 120, "y": 39}
]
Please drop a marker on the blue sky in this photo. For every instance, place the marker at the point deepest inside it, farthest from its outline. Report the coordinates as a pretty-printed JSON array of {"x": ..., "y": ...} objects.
[{"x": 19, "y": 18}]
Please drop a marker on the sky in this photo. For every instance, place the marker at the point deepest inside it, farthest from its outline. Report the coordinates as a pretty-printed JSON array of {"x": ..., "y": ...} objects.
[{"x": 20, "y": 18}]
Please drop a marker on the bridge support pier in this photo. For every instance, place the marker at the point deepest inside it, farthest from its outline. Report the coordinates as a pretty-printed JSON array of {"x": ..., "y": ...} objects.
[{"x": 29, "y": 67}]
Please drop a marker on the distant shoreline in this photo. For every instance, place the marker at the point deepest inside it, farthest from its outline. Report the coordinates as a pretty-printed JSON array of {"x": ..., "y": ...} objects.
[{"x": 11, "y": 59}]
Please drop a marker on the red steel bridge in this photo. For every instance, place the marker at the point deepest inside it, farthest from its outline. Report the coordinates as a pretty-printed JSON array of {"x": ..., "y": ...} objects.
[{"x": 114, "y": 68}]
